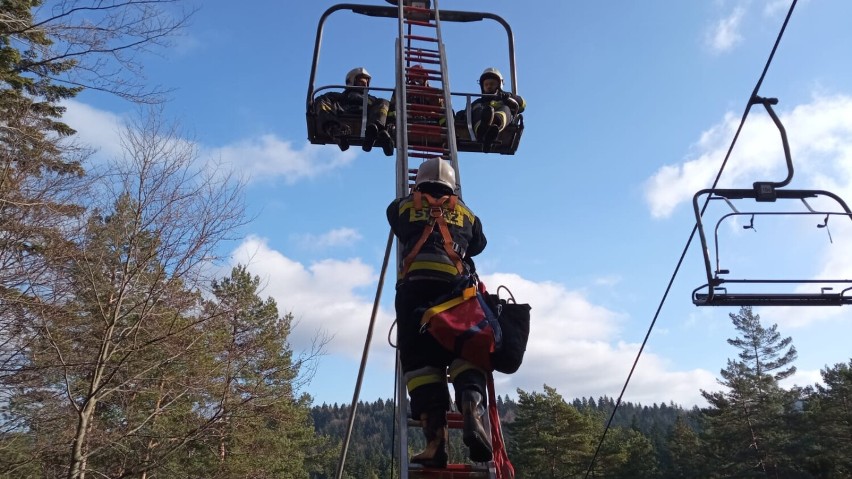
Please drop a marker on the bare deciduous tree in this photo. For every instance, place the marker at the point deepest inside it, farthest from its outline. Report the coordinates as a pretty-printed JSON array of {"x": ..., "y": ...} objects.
[
  {"x": 97, "y": 44},
  {"x": 117, "y": 347}
]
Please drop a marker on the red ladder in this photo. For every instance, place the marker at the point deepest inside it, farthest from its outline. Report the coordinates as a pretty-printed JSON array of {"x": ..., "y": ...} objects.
[
  {"x": 424, "y": 130},
  {"x": 424, "y": 113}
]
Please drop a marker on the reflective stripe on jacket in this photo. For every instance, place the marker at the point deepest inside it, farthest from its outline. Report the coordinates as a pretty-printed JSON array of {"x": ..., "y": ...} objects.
[{"x": 432, "y": 261}]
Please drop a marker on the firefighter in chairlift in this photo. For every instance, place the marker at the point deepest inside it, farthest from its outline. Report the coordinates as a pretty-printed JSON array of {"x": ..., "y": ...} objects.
[
  {"x": 431, "y": 269},
  {"x": 331, "y": 105},
  {"x": 494, "y": 110}
]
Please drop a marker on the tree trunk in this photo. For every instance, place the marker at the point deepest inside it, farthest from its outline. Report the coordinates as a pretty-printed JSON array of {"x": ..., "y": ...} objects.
[{"x": 78, "y": 456}]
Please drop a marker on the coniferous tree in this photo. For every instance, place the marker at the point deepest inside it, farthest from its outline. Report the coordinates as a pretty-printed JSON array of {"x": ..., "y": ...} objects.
[
  {"x": 253, "y": 391},
  {"x": 686, "y": 458},
  {"x": 745, "y": 425},
  {"x": 551, "y": 439},
  {"x": 826, "y": 436}
]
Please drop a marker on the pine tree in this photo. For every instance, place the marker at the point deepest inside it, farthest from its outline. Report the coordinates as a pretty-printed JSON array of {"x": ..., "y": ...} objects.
[
  {"x": 685, "y": 448},
  {"x": 746, "y": 429},
  {"x": 551, "y": 439},
  {"x": 253, "y": 391},
  {"x": 827, "y": 435}
]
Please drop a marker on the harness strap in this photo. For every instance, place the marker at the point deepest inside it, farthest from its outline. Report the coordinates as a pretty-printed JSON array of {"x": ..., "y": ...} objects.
[{"x": 436, "y": 215}]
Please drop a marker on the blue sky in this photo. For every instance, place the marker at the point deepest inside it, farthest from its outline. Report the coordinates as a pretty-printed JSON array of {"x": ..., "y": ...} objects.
[{"x": 631, "y": 108}]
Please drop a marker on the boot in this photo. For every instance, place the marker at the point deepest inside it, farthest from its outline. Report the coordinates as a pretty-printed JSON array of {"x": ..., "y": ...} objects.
[
  {"x": 486, "y": 118},
  {"x": 338, "y": 133},
  {"x": 434, "y": 426},
  {"x": 474, "y": 434},
  {"x": 370, "y": 134},
  {"x": 386, "y": 141},
  {"x": 489, "y": 137}
]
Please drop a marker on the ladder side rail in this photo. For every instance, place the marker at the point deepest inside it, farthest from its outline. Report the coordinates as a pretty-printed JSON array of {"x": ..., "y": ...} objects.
[
  {"x": 402, "y": 187},
  {"x": 401, "y": 114},
  {"x": 448, "y": 103}
]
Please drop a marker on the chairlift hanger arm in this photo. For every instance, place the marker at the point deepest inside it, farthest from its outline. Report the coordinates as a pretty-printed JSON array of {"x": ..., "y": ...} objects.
[
  {"x": 392, "y": 12},
  {"x": 767, "y": 104}
]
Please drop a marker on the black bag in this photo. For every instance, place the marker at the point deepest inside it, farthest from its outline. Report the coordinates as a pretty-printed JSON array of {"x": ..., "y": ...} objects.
[{"x": 514, "y": 322}]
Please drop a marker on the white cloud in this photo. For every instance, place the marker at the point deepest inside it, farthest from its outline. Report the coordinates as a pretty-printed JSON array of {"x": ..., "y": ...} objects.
[
  {"x": 574, "y": 344},
  {"x": 724, "y": 35},
  {"x": 267, "y": 157},
  {"x": 322, "y": 296},
  {"x": 802, "y": 378},
  {"x": 820, "y": 138},
  {"x": 776, "y": 7},
  {"x": 97, "y": 129},
  {"x": 334, "y": 238}
]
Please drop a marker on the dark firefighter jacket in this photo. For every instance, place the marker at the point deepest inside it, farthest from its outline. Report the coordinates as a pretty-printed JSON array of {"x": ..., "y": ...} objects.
[
  {"x": 350, "y": 101},
  {"x": 433, "y": 262}
]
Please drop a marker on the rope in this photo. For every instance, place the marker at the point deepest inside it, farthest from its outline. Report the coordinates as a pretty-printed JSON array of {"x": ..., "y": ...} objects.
[
  {"x": 351, "y": 424},
  {"x": 692, "y": 234}
]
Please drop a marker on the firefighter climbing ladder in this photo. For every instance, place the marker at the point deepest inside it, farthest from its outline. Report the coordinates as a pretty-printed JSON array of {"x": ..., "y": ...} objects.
[{"x": 424, "y": 131}]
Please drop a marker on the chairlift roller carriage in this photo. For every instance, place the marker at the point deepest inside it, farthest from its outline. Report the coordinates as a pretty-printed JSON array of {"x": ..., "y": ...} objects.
[
  {"x": 506, "y": 142},
  {"x": 723, "y": 290}
]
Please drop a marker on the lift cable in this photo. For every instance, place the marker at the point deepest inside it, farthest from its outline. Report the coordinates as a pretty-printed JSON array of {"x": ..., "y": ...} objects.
[{"x": 751, "y": 101}]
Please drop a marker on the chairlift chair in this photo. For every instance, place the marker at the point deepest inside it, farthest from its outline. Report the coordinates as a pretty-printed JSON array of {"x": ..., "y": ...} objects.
[
  {"x": 506, "y": 143},
  {"x": 715, "y": 292}
]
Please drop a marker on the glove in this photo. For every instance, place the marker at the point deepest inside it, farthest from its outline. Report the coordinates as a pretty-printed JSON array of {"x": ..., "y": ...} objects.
[{"x": 513, "y": 105}]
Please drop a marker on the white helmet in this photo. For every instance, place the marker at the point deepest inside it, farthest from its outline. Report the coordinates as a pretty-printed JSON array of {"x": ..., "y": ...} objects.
[
  {"x": 356, "y": 72},
  {"x": 491, "y": 72},
  {"x": 436, "y": 170}
]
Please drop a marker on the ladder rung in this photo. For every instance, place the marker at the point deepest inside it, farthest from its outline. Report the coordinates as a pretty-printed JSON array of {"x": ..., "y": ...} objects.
[
  {"x": 424, "y": 108},
  {"x": 412, "y": 9},
  {"x": 425, "y": 148},
  {"x": 426, "y": 52},
  {"x": 428, "y": 149},
  {"x": 421, "y": 38},
  {"x": 452, "y": 471},
  {"x": 428, "y": 61},
  {"x": 419, "y": 109},
  {"x": 426, "y": 129},
  {"x": 425, "y": 118},
  {"x": 427, "y": 89},
  {"x": 431, "y": 93},
  {"x": 437, "y": 73},
  {"x": 424, "y": 156},
  {"x": 455, "y": 420},
  {"x": 421, "y": 23}
]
